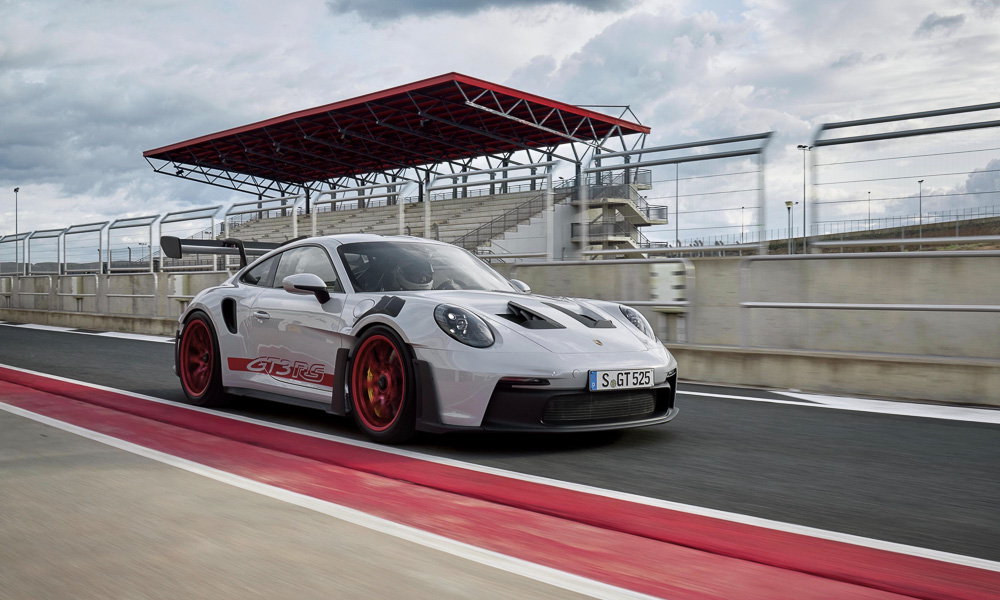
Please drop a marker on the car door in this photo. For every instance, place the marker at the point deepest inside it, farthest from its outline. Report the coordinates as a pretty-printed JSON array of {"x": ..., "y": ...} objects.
[
  {"x": 295, "y": 337},
  {"x": 237, "y": 309}
]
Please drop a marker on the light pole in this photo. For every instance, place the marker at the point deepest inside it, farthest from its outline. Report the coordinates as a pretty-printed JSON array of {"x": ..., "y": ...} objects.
[
  {"x": 16, "y": 263},
  {"x": 804, "y": 149},
  {"x": 869, "y": 210},
  {"x": 741, "y": 223},
  {"x": 789, "y": 204},
  {"x": 920, "y": 209}
]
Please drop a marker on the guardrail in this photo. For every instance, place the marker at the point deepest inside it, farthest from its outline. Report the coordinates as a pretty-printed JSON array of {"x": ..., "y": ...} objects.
[
  {"x": 506, "y": 255},
  {"x": 747, "y": 306},
  {"x": 673, "y": 250},
  {"x": 931, "y": 241}
]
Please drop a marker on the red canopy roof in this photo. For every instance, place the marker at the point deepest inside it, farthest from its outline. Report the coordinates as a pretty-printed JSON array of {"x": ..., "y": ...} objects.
[{"x": 446, "y": 118}]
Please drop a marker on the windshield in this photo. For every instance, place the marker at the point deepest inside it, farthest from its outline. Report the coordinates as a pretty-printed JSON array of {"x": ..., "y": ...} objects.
[{"x": 389, "y": 266}]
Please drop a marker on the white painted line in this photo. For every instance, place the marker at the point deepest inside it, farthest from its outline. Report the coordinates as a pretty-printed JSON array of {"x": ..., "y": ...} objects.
[
  {"x": 516, "y": 566},
  {"x": 732, "y": 397},
  {"x": 887, "y": 407},
  {"x": 40, "y": 327},
  {"x": 910, "y": 409},
  {"x": 112, "y": 334},
  {"x": 135, "y": 336},
  {"x": 958, "y": 559}
]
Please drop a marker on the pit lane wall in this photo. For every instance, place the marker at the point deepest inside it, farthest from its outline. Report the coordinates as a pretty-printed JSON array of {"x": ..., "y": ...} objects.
[
  {"x": 914, "y": 351},
  {"x": 699, "y": 308},
  {"x": 135, "y": 302}
]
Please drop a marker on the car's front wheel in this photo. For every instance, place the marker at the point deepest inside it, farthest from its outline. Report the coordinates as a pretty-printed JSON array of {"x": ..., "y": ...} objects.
[
  {"x": 382, "y": 387},
  {"x": 198, "y": 362}
]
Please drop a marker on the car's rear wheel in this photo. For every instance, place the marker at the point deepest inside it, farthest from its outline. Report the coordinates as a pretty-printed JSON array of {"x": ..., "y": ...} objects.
[
  {"x": 382, "y": 386},
  {"x": 198, "y": 362}
]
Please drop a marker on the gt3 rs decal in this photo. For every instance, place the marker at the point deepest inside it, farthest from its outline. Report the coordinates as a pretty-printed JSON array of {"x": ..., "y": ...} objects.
[{"x": 284, "y": 369}]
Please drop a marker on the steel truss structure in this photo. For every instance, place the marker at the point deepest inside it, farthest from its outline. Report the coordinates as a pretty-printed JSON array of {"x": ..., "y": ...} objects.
[{"x": 443, "y": 126}]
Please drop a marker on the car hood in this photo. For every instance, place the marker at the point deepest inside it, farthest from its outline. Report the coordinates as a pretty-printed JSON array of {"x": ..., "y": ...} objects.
[{"x": 557, "y": 324}]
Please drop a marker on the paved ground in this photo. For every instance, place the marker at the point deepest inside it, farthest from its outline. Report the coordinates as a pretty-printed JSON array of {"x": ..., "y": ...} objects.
[
  {"x": 79, "y": 519},
  {"x": 917, "y": 481}
]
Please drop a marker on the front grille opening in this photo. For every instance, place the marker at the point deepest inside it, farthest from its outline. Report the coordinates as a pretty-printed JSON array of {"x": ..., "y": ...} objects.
[{"x": 600, "y": 406}]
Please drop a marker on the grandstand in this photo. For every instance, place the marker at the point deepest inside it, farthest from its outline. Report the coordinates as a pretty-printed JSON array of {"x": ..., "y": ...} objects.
[
  {"x": 451, "y": 128},
  {"x": 493, "y": 223},
  {"x": 451, "y": 218}
]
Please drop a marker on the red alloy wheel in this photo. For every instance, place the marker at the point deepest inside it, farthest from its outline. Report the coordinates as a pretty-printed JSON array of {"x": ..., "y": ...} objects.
[
  {"x": 196, "y": 358},
  {"x": 378, "y": 383}
]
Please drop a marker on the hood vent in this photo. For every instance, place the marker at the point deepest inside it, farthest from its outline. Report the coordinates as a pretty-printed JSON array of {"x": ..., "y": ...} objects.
[
  {"x": 586, "y": 320},
  {"x": 527, "y": 318}
]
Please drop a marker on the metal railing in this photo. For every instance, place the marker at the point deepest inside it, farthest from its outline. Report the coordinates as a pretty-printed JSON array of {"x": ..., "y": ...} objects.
[
  {"x": 14, "y": 247},
  {"x": 928, "y": 241},
  {"x": 182, "y": 223},
  {"x": 627, "y": 176},
  {"x": 619, "y": 228},
  {"x": 512, "y": 218},
  {"x": 121, "y": 238}
]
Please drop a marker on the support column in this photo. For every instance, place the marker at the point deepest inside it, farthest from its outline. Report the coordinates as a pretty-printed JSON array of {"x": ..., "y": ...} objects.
[
  {"x": 425, "y": 193},
  {"x": 581, "y": 195},
  {"x": 550, "y": 216},
  {"x": 762, "y": 211},
  {"x": 399, "y": 206}
]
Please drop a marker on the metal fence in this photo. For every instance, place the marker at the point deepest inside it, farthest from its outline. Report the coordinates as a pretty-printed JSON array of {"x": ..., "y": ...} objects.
[
  {"x": 715, "y": 187},
  {"x": 905, "y": 170}
]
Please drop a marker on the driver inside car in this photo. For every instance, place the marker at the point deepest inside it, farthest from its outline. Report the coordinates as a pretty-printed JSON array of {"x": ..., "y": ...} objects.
[{"x": 415, "y": 274}]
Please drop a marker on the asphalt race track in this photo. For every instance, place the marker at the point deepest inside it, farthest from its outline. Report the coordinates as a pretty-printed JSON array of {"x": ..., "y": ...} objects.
[{"x": 923, "y": 482}]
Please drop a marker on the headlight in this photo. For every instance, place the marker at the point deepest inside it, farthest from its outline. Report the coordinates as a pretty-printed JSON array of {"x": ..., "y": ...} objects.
[
  {"x": 463, "y": 326},
  {"x": 635, "y": 317}
]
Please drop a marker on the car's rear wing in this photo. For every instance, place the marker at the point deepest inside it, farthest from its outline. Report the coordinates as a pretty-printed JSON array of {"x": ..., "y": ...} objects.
[{"x": 175, "y": 247}]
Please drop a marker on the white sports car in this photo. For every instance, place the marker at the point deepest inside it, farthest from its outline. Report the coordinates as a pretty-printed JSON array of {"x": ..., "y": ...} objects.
[{"x": 409, "y": 334}]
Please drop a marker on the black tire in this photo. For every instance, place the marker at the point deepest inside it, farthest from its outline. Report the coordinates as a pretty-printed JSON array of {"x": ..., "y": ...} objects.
[
  {"x": 382, "y": 386},
  {"x": 199, "y": 362}
]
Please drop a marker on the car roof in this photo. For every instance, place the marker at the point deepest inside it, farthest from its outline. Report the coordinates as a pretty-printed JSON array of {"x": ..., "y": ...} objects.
[{"x": 335, "y": 240}]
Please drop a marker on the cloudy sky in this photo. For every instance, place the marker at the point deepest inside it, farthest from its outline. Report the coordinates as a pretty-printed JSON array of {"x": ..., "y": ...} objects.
[{"x": 87, "y": 85}]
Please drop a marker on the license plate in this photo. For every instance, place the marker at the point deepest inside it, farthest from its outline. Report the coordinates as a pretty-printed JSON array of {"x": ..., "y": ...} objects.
[{"x": 621, "y": 380}]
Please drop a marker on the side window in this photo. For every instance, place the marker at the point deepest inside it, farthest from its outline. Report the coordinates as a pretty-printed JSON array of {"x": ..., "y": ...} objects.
[
  {"x": 308, "y": 259},
  {"x": 258, "y": 275}
]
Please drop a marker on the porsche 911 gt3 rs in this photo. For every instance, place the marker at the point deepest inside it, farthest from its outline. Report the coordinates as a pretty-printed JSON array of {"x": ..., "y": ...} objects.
[{"x": 407, "y": 334}]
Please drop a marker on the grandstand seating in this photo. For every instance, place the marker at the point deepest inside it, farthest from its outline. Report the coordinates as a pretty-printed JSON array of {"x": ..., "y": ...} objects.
[
  {"x": 450, "y": 219},
  {"x": 474, "y": 223}
]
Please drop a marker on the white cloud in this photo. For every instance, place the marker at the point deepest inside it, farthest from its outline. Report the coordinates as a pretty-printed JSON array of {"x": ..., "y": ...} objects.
[{"x": 86, "y": 87}]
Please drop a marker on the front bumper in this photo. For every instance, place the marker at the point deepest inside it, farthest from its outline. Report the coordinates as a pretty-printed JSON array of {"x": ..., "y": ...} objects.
[{"x": 536, "y": 409}]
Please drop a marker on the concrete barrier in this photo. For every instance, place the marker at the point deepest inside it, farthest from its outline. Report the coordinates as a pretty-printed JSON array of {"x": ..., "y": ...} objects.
[
  {"x": 932, "y": 378},
  {"x": 916, "y": 354},
  {"x": 96, "y": 322}
]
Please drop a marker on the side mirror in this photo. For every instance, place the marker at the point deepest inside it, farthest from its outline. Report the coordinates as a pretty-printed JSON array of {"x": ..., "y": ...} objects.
[
  {"x": 520, "y": 286},
  {"x": 306, "y": 283}
]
